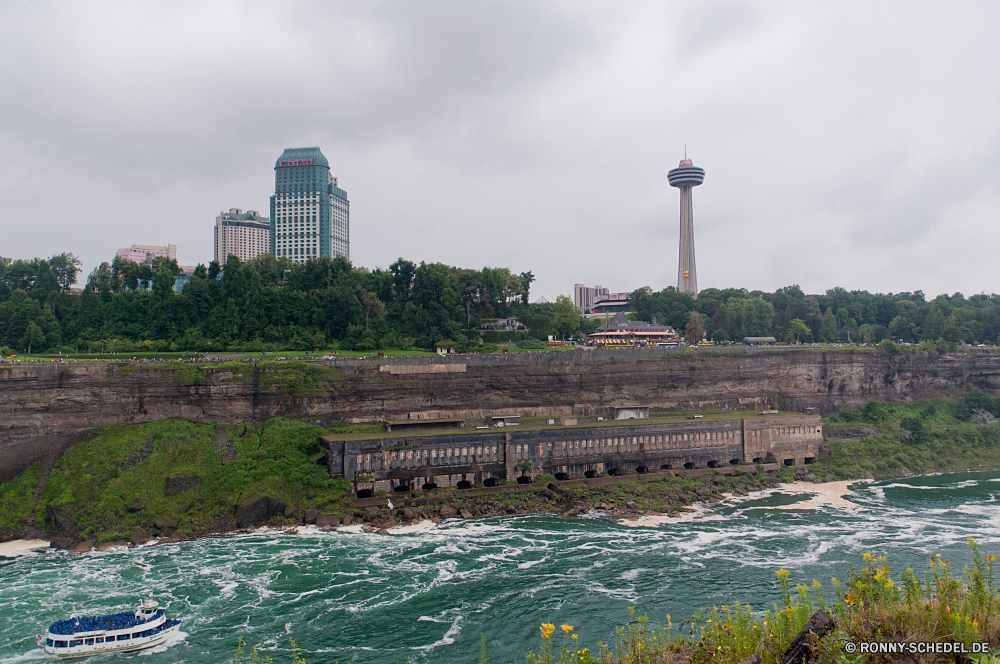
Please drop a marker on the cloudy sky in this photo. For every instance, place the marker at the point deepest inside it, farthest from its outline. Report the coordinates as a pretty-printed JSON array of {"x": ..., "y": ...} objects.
[{"x": 851, "y": 144}]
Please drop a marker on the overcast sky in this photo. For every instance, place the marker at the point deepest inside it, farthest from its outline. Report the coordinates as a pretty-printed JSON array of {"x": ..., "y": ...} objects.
[{"x": 845, "y": 144}]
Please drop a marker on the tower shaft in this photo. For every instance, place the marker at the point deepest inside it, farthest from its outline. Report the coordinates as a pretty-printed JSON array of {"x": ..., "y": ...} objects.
[
  {"x": 687, "y": 276},
  {"x": 685, "y": 177}
]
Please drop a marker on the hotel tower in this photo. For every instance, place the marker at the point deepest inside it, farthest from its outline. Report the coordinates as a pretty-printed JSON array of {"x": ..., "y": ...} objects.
[{"x": 310, "y": 214}]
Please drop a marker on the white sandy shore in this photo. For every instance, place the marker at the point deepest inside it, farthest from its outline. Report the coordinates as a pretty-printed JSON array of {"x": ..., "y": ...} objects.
[
  {"x": 18, "y": 547},
  {"x": 828, "y": 494}
]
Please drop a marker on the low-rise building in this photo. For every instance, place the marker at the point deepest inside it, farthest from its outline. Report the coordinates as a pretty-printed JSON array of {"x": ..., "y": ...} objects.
[
  {"x": 620, "y": 331},
  {"x": 611, "y": 303},
  {"x": 405, "y": 461},
  {"x": 144, "y": 253},
  {"x": 502, "y": 325}
]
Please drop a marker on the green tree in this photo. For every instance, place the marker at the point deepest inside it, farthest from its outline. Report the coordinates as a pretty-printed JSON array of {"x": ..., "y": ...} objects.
[
  {"x": 934, "y": 324},
  {"x": 828, "y": 330},
  {"x": 33, "y": 336},
  {"x": 694, "y": 331},
  {"x": 899, "y": 327},
  {"x": 799, "y": 331},
  {"x": 720, "y": 334},
  {"x": 567, "y": 316},
  {"x": 748, "y": 317},
  {"x": 66, "y": 267}
]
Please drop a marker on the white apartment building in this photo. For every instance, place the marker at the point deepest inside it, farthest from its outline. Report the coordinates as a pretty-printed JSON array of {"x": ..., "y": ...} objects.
[{"x": 244, "y": 235}]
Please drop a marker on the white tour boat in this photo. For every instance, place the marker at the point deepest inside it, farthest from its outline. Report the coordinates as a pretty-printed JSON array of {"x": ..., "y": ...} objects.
[{"x": 145, "y": 627}]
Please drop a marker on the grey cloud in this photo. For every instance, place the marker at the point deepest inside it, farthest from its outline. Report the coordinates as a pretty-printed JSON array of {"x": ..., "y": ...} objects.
[{"x": 845, "y": 144}]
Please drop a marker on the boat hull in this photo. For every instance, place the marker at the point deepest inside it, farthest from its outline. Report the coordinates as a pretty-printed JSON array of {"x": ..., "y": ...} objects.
[{"x": 77, "y": 652}]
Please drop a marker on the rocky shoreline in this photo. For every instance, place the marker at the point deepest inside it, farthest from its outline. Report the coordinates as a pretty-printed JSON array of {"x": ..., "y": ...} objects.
[{"x": 645, "y": 501}]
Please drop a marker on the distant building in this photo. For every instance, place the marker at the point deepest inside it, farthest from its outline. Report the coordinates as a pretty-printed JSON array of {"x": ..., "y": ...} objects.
[
  {"x": 611, "y": 303},
  {"x": 143, "y": 253},
  {"x": 180, "y": 280},
  {"x": 310, "y": 214},
  {"x": 242, "y": 234},
  {"x": 541, "y": 300},
  {"x": 502, "y": 325},
  {"x": 585, "y": 297},
  {"x": 620, "y": 331}
]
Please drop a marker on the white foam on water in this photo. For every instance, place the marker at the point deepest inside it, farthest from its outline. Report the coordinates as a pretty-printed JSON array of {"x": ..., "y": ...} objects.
[
  {"x": 447, "y": 639},
  {"x": 178, "y": 637},
  {"x": 31, "y": 655},
  {"x": 531, "y": 563},
  {"x": 353, "y": 528},
  {"x": 420, "y": 527},
  {"x": 632, "y": 574}
]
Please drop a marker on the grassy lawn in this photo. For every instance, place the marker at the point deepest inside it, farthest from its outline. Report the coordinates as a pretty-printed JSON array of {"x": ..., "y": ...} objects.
[{"x": 288, "y": 354}]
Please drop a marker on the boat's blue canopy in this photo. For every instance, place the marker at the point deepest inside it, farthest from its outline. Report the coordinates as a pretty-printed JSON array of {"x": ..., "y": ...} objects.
[{"x": 98, "y": 623}]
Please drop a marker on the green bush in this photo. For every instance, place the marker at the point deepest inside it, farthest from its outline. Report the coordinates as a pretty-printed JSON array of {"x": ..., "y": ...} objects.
[{"x": 888, "y": 346}]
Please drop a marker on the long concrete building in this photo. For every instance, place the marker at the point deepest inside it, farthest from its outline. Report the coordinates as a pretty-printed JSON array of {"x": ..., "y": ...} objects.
[{"x": 466, "y": 458}]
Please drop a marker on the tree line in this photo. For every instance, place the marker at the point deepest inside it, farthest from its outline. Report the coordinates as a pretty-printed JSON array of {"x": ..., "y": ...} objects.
[
  {"x": 836, "y": 316},
  {"x": 262, "y": 304},
  {"x": 273, "y": 304}
]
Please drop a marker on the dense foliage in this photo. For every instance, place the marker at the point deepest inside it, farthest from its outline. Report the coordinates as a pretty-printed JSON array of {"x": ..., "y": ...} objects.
[
  {"x": 263, "y": 304},
  {"x": 838, "y": 315},
  {"x": 117, "y": 479},
  {"x": 273, "y": 304}
]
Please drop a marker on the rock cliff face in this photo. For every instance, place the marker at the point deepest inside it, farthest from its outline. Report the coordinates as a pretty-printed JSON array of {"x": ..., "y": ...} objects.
[{"x": 43, "y": 408}]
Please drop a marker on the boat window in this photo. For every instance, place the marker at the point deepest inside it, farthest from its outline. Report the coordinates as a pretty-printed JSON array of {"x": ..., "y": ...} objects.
[
  {"x": 100, "y": 639},
  {"x": 60, "y": 644},
  {"x": 124, "y": 637},
  {"x": 89, "y": 642},
  {"x": 48, "y": 642},
  {"x": 75, "y": 642}
]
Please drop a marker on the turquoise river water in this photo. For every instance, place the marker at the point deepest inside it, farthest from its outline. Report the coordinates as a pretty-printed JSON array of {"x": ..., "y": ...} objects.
[{"x": 428, "y": 596}]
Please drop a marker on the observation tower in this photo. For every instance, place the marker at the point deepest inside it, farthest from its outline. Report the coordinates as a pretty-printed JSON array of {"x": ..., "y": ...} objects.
[{"x": 685, "y": 176}]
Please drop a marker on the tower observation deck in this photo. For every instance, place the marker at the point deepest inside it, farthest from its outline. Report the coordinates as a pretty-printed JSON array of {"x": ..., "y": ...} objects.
[{"x": 685, "y": 176}]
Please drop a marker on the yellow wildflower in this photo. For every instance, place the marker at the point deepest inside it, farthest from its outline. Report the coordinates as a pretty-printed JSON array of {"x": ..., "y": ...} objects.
[
  {"x": 868, "y": 556},
  {"x": 782, "y": 573},
  {"x": 574, "y": 636},
  {"x": 989, "y": 559},
  {"x": 567, "y": 628},
  {"x": 547, "y": 629}
]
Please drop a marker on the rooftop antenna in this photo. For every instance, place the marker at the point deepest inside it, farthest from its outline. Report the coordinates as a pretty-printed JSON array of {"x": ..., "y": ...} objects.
[{"x": 685, "y": 151}]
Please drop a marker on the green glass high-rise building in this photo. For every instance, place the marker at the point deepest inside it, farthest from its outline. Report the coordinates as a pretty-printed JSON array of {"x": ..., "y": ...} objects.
[{"x": 310, "y": 214}]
